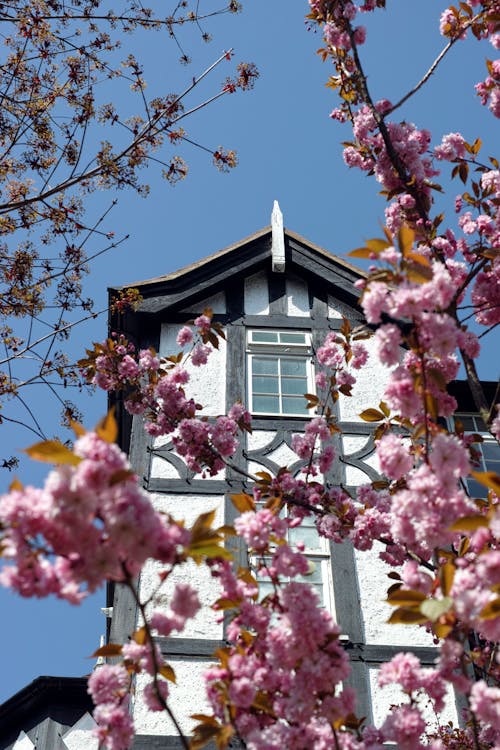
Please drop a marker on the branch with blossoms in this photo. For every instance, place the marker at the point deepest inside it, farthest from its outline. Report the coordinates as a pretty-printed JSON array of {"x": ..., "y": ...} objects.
[
  {"x": 280, "y": 680},
  {"x": 52, "y": 94},
  {"x": 443, "y": 544},
  {"x": 399, "y": 157},
  {"x": 92, "y": 523}
]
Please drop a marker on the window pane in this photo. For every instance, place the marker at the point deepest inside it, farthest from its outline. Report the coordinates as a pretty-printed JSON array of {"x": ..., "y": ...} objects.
[
  {"x": 319, "y": 591},
  {"x": 491, "y": 451},
  {"x": 467, "y": 422},
  {"x": 265, "y": 384},
  {"x": 295, "y": 367},
  {"x": 265, "y": 588},
  {"x": 476, "y": 489},
  {"x": 309, "y": 536},
  {"x": 314, "y": 576},
  {"x": 265, "y": 366},
  {"x": 293, "y": 338},
  {"x": 479, "y": 425},
  {"x": 294, "y": 405},
  {"x": 265, "y": 336},
  {"x": 317, "y": 587},
  {"x": 266, "y": 404},
  {"x": 296, "y": 386}
]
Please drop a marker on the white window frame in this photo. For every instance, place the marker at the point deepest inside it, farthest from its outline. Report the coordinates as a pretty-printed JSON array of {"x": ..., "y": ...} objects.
[
  {"x": 279, "y": 351},
  {"x": 320, "y": 557},
  {"x": 488, "y": 439}
]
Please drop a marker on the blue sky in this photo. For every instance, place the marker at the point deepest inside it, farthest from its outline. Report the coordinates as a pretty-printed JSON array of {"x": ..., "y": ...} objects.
[{"x": 288, "y": 150}]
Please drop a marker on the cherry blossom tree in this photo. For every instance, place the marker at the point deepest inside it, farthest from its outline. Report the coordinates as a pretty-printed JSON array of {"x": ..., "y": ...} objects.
[
  {"x": 281, "y": 680},
  {"x": 76, "y": 119}
]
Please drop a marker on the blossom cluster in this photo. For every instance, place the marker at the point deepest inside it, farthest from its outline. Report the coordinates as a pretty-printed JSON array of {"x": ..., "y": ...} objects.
[
  {"x": 282, "y": 674},
  {"x": 109, "y": 688},
  {"x": 155, "y": 389},
  {"x": 90, "y": 523},
  {"x": 281, "y": 679}
]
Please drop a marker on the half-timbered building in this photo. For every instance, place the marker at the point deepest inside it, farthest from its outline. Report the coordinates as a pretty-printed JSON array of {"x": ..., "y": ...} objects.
[{"x": 276, "y": 295}]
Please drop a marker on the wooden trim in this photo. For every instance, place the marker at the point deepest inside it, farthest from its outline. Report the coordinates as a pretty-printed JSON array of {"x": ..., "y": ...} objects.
[
  {"x": 276, "y": 284},
  {"x": 160, "y": 742},
  {"x": 195, "y": 486},
  {"x": 359, "y": 679},
  {"x": 189, "y": 648},
  {"x": 374, "y": 654},
  {"x": 318, "y": 302},
  {"x": 279, "y": 320},
  {"x": 122, "y": 623},
  {"x": 346, "y": 593}
]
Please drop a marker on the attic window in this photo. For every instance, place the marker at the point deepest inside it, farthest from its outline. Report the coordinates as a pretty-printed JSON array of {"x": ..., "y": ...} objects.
[
  {"x": 488, "y": 452},
  {"x": 279, "y": 372}
]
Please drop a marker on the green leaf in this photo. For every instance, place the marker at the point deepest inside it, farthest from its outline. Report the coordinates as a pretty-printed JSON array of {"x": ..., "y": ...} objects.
[
  {"x": 376, "y": 245},
  {"x": 209, "y": 549},
  {"x": 53, "y": 452},
  {"x": 243, "y": 502},
  {"x": 168, "y": 673},
  {"x": 107, "y": 428},
  {"x": 407, "y": 616},
  {"x": 491, "y": 610},
  {"x": 434, "y": 608},
  {"x": 371, "y": 415},
  {"x": 406, "y": 238},
  {"x": 140, "y": 636},
  {"x": 405, "y": 597},
  {"x": 361, "y": 252},
  {"x": 110, "y": 649},
  {"x": 488, "y": 479},
  {"x": 227, "y": 603},
  {"x": 442, "y": 629},
  {"x": 385, "y": 409},
  {"x": 446, "y": 575},
  {"x": 77, "y": 428},
  {"x": 122, "y": 475},
  {"x": 469, "y": 523}
]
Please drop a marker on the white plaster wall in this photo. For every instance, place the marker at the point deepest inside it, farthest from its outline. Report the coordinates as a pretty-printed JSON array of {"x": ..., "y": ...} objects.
[
  {"x": 186, "y": 697},
  {"x": 254, "y": 467},
  {"x": 337, "y": 309},
  {"x": 373, "y": 584},
  {"x": 207, "y": 384},
  {"x": 161, "y": 469},
  {"x": 297, "y": 297},
  {"x": 81, "y": 735},
  {"x": 259, "y": 439},
  {"x": 257, "y": 294},
  {"x": 384, "y": 697},
  {"x": 187, "y": 508},
  {"x": 333, "y": 308},
  {"x": 371, "y": 381},
  {"x": 283, "y": 455},
  {"x": 353, "y": 476},
  {"x": 206, "y": 623},
  {"x": 23, "y": 742},
  {"x": 217, "y": 302},
  {"x": 351, "y": 444}
]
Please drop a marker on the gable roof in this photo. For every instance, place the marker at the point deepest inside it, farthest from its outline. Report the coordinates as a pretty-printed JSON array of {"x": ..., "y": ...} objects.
[
  {"x": 253, "y": 253},
  {"x": 51, "y": 702}
]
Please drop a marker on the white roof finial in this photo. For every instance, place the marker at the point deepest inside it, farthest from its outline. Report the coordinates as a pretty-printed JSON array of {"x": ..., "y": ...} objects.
[{"x": 278, "y": 239}]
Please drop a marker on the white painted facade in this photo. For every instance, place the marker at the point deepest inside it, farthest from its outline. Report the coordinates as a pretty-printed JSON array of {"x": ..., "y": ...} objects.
[{"x": 356, "y": 598}]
